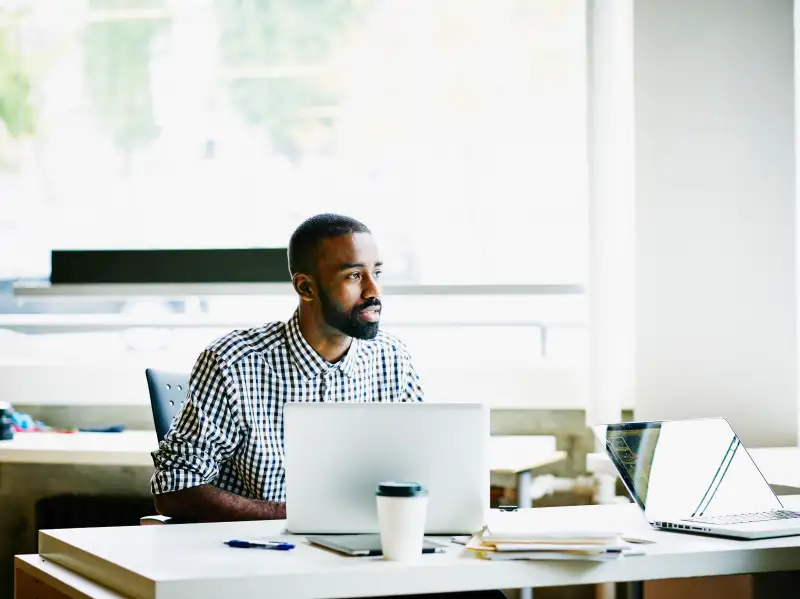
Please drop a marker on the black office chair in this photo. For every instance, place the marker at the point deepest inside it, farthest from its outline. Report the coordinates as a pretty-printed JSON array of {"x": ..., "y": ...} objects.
[{"x": 167, "y": 394}]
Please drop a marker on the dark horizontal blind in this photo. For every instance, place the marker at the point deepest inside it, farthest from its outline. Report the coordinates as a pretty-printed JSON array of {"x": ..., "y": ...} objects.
[{"x": 250, "y": 265}]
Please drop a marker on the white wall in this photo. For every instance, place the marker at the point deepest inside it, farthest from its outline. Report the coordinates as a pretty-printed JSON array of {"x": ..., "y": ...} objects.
[
  {"x": 715, "y": 235},
  {"x": 533, "y": 387},
  {"x": 501, "y": 366}
]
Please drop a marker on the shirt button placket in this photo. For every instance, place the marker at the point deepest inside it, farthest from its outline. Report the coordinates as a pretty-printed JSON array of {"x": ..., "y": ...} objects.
[{"x": 324, "y": 386}]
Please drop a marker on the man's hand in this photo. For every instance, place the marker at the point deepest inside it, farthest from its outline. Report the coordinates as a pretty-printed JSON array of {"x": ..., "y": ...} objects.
[{"x": 206, "y": 503}]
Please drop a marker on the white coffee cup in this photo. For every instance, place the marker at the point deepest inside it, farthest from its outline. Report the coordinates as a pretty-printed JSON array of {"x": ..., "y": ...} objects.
[{"x": 402, "y": 508}]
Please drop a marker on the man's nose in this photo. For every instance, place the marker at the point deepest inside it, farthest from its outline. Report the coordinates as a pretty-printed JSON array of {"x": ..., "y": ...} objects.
[{"x": 371, "y": 288}]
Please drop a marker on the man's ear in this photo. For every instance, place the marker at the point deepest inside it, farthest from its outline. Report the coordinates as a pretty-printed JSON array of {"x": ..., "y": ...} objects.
[{"x": 304, "y": 286}]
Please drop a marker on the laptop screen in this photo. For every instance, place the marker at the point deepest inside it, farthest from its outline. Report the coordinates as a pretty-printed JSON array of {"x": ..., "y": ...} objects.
[{"x": 685, "y": 468}]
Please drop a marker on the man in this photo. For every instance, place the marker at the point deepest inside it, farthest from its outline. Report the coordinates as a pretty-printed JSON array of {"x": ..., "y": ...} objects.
[{"x": 222, "y": 458}]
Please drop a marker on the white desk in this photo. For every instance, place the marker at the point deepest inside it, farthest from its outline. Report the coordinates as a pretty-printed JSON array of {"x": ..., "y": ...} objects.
[
  {"x": 508, "y": 454},
  {"x": 129, "y": 448},
  {"x": 32, "y": 572},
  {"x": 517, "y": 455},
  {"x": 190, "y": 560},
  {"x": 520, "y": 456},
  {"x": 779, "y": 465}
]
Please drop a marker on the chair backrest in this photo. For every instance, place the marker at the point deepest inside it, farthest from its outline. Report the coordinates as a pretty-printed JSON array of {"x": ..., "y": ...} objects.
[{"x": 167, "y": 393}]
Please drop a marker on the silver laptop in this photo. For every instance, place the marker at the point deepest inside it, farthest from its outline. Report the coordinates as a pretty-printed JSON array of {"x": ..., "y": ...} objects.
[
  {"x": 336, "y": 454},
  {"x": 695, "y": 476}
]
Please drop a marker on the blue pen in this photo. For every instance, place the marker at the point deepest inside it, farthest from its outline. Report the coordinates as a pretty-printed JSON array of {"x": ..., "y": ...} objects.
[{"x": 276, "y": 545}]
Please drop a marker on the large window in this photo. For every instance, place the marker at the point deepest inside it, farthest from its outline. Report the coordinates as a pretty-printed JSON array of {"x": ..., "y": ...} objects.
[{"x": 454, "y": 128}]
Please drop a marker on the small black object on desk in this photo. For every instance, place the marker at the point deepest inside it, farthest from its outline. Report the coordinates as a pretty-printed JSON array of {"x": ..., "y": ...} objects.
[
  {"x": 114, "y": 428},
  {"x": 6, "y": 424}
]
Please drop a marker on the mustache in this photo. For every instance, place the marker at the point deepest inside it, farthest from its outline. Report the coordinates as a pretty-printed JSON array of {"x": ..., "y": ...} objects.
[{"x": 374, "y": 302}]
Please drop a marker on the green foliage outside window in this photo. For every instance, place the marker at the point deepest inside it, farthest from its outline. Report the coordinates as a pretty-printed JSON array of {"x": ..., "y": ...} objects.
[
  {"x": 17, "y": 114},
  {"x": 289, "y": 36},
  {"x": 117, "y": 57}
]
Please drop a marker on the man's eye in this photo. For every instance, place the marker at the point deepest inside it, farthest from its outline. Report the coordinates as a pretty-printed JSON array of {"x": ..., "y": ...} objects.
[
  {"x": 353, "y": 275},
  {"x": 378, "y": 274}
]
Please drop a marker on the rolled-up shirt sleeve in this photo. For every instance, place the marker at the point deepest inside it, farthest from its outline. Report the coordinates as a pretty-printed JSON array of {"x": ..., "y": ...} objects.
[{"x": 203, "y": 435}]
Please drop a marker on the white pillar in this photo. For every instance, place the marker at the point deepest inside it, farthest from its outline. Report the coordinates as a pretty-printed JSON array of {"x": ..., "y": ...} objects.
[
  {"x": 715, "y": 214},
  {"x": 611, "y": 221}
]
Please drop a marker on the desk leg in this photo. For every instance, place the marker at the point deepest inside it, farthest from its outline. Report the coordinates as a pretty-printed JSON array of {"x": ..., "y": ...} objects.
[
  {"x": 776, "y": 585},
  {"x": 525, "y": 500},
  {"x": 612, "y": 590},
  {"x": 635, "y": 589},
  {"x": 524, "y": 482}
]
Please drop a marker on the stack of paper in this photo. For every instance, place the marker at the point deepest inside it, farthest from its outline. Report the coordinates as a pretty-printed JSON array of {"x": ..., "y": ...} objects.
[{"x": 548, "y": 545}]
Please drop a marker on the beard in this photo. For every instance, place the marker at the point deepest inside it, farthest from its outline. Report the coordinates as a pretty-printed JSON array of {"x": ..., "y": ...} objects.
[{"x": 348, "y": 322}]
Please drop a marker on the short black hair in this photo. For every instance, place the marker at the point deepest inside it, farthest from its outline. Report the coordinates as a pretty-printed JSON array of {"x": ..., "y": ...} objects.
[{"x": 306, "y": 238}]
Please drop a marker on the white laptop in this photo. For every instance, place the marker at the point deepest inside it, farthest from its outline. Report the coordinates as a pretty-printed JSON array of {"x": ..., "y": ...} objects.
[
  {"x": 695, "y": 476},
  {"x": 336, "y": 454}
]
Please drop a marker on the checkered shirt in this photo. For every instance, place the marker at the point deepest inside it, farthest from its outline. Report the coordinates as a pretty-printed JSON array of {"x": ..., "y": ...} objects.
[{"x": 229, "y": 432}]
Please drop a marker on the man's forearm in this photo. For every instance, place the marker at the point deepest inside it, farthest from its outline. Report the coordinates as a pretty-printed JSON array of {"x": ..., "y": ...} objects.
[{"x": 206, "y": 503}]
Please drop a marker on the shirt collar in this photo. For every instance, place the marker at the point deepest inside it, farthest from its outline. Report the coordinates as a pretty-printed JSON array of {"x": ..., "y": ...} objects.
[{"x": 308, "y": 361}]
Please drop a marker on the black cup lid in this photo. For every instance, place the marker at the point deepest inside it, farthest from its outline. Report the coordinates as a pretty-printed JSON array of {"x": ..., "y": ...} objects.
[{"x": 400, "y": 489}]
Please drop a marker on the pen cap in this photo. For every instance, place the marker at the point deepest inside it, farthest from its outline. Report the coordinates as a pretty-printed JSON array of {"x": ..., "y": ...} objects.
[{"x": 401, "y": 489}]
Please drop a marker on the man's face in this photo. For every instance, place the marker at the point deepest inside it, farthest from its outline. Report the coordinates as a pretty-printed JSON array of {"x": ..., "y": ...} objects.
[{"x": 347, "y": 282}]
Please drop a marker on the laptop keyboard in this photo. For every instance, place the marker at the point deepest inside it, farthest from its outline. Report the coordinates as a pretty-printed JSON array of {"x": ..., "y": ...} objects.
[{"x": 745, "y": 518}]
